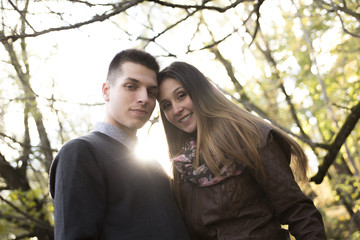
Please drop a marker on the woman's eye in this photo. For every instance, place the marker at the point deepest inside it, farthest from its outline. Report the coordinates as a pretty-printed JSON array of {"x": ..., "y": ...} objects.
[
  {"x": 181, "y": 95},
  {"x": 165, "y": 106}
]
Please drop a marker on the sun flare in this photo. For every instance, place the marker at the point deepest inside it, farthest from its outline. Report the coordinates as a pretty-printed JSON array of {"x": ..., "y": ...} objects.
[{"x": 152, "y": 146}]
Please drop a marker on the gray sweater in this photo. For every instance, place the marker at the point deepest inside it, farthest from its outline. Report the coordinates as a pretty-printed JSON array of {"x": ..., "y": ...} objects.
[{"x": 101, "y": 191}]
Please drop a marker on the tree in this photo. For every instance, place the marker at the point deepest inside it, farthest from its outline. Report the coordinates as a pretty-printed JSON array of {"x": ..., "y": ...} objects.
[{"x": 268, "y": 56}]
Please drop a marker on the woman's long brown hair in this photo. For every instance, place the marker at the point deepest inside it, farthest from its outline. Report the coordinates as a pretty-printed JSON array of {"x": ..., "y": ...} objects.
[{"x": 224, "y": 130}]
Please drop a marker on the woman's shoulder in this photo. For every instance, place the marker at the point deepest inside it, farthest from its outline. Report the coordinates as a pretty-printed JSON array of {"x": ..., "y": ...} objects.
[
  {"x": 271, "y": 133},
  {"x": 264, "y": 129}
]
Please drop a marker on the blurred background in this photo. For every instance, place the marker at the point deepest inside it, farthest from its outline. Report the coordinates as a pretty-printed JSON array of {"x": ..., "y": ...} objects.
[{"x": 294, "y": 63}]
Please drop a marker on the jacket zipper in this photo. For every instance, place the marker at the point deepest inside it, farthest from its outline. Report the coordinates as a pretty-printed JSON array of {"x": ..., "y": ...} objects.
[{"x": 191, "y": 210}]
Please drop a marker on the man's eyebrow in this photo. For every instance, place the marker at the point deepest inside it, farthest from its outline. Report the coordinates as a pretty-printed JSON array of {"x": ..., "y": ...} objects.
[
  {"x": 132, "y": 80},
  {"x": 137, "y": 81},
  {"x": 153, "y": 87}
]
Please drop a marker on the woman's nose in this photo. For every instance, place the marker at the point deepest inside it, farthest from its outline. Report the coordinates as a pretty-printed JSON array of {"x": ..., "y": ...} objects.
[{"x": 177, "y": 109}]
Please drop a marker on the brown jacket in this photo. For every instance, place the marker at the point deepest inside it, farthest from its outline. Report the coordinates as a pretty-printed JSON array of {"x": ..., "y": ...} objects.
[{"x": 242, "y": 208}]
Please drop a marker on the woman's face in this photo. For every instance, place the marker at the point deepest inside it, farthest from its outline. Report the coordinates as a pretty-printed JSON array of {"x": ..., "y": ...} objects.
[{"x": 177, "y": 105}]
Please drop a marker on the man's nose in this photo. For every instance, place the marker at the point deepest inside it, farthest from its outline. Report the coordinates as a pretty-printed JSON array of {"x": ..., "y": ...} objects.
[{"x": 142, "y": 96}]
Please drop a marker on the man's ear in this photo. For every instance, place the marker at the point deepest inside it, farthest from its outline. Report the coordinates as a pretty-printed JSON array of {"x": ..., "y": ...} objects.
[{"x": 106, "y": 91}]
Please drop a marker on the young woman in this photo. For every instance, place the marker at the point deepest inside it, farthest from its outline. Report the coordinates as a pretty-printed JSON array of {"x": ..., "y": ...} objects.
[{"x": 232, "y": 177}]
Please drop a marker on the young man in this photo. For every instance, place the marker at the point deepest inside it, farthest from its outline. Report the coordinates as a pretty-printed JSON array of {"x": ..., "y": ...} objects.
[{"x": 100, "y": 190}]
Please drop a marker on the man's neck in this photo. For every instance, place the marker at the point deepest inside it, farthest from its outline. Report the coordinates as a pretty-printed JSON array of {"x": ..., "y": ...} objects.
[{"x": 130, "y": 132}]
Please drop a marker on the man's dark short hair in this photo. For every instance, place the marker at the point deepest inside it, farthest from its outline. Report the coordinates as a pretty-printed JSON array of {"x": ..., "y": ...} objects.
[{"x": 131, "y": 55}]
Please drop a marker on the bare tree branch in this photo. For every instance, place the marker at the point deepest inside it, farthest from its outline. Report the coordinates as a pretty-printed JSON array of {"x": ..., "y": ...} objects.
[
  {"x": 257, "y": 25},
  {"x": 121, "y": 7},
  {"x": 24, "y": 77},
  {"x": 340, "y": 139},
  {"x": 21, "y": 14},
  {"x": 345, "y": 29},
  {"x": 203, "y": 6},
  {"x": 331, "y": 6},
  {"x": 14, "y": 177},
  {"x": 167, "y": 28}
]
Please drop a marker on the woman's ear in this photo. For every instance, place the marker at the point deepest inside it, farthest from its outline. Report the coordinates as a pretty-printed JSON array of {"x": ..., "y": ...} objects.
[{"x": 106, "y": 91}]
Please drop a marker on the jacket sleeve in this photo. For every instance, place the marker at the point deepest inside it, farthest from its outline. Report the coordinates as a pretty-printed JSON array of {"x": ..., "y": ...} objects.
[
  {"x": 78, "y": 188},
  {"x": 291, "y": 206}
]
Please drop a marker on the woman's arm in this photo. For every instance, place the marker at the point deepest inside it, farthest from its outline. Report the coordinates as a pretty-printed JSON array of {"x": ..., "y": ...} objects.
[{"x": 291, "y": 205}]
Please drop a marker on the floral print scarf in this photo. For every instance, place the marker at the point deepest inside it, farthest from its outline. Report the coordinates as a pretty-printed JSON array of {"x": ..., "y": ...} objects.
[{"x": 202, "y": 176}]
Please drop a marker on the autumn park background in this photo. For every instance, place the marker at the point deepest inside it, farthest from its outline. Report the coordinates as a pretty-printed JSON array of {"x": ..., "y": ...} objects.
[{"x": 294, "y": 63}]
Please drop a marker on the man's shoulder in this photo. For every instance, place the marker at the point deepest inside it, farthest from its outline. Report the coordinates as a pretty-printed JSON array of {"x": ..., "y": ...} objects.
[
  {"x": 79, "y": 142},
  {"x": 95, "y": 143},
  {"x": 91, "y": 137},
  {"x": 86, "y": 140},
  {"x": 76, "y": 153}
]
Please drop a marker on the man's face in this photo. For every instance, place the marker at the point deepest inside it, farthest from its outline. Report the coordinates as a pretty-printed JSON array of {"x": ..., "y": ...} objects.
[{"x": 131, "y": 98}]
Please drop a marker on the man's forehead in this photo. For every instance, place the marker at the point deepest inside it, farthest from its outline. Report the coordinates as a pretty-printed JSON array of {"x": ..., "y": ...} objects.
[{"x": 141, "y": 75}]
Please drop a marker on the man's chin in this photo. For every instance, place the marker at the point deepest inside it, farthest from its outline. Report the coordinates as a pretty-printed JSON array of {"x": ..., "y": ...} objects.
[{"x": 140, "y": 123}]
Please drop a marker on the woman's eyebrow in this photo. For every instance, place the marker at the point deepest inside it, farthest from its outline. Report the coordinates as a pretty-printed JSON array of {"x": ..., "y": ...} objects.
[
  {"x": 173, "y": 93},
  {"x": 175, "y": 90},
  {"x": 162, "y": 102}
]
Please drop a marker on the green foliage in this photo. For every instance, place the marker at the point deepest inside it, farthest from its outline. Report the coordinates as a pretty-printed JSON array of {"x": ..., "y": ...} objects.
[
  {"x": 27, "y": 213},
  {"x": 301, "y": 46}
]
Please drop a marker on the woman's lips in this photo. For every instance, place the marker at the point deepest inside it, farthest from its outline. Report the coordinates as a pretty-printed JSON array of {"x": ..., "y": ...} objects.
[{"x": 186, "y": 118}]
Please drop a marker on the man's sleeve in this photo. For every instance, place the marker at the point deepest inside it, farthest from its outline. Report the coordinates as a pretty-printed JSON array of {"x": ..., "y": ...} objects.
[{"x": 78, "y": 191}]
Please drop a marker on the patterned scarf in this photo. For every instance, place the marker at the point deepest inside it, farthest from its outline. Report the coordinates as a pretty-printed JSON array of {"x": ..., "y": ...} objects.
[{"x": 201, "y": 176}]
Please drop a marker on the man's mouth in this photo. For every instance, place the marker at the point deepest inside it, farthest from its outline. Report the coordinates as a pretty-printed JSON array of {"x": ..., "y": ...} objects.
[{"x": 139, "y": 111}]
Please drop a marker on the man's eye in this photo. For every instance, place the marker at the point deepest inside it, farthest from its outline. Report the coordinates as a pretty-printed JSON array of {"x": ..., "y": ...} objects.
[
  {"x": 130, "y": 86},
  {"x": 152, "y": 94}
]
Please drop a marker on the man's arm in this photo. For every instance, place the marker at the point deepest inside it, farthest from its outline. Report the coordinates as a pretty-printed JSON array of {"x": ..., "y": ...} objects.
[{"x": 78, "y": 189}]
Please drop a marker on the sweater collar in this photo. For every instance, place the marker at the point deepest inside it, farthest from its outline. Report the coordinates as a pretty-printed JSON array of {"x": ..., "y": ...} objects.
[{"x": 115, "y": 133}]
